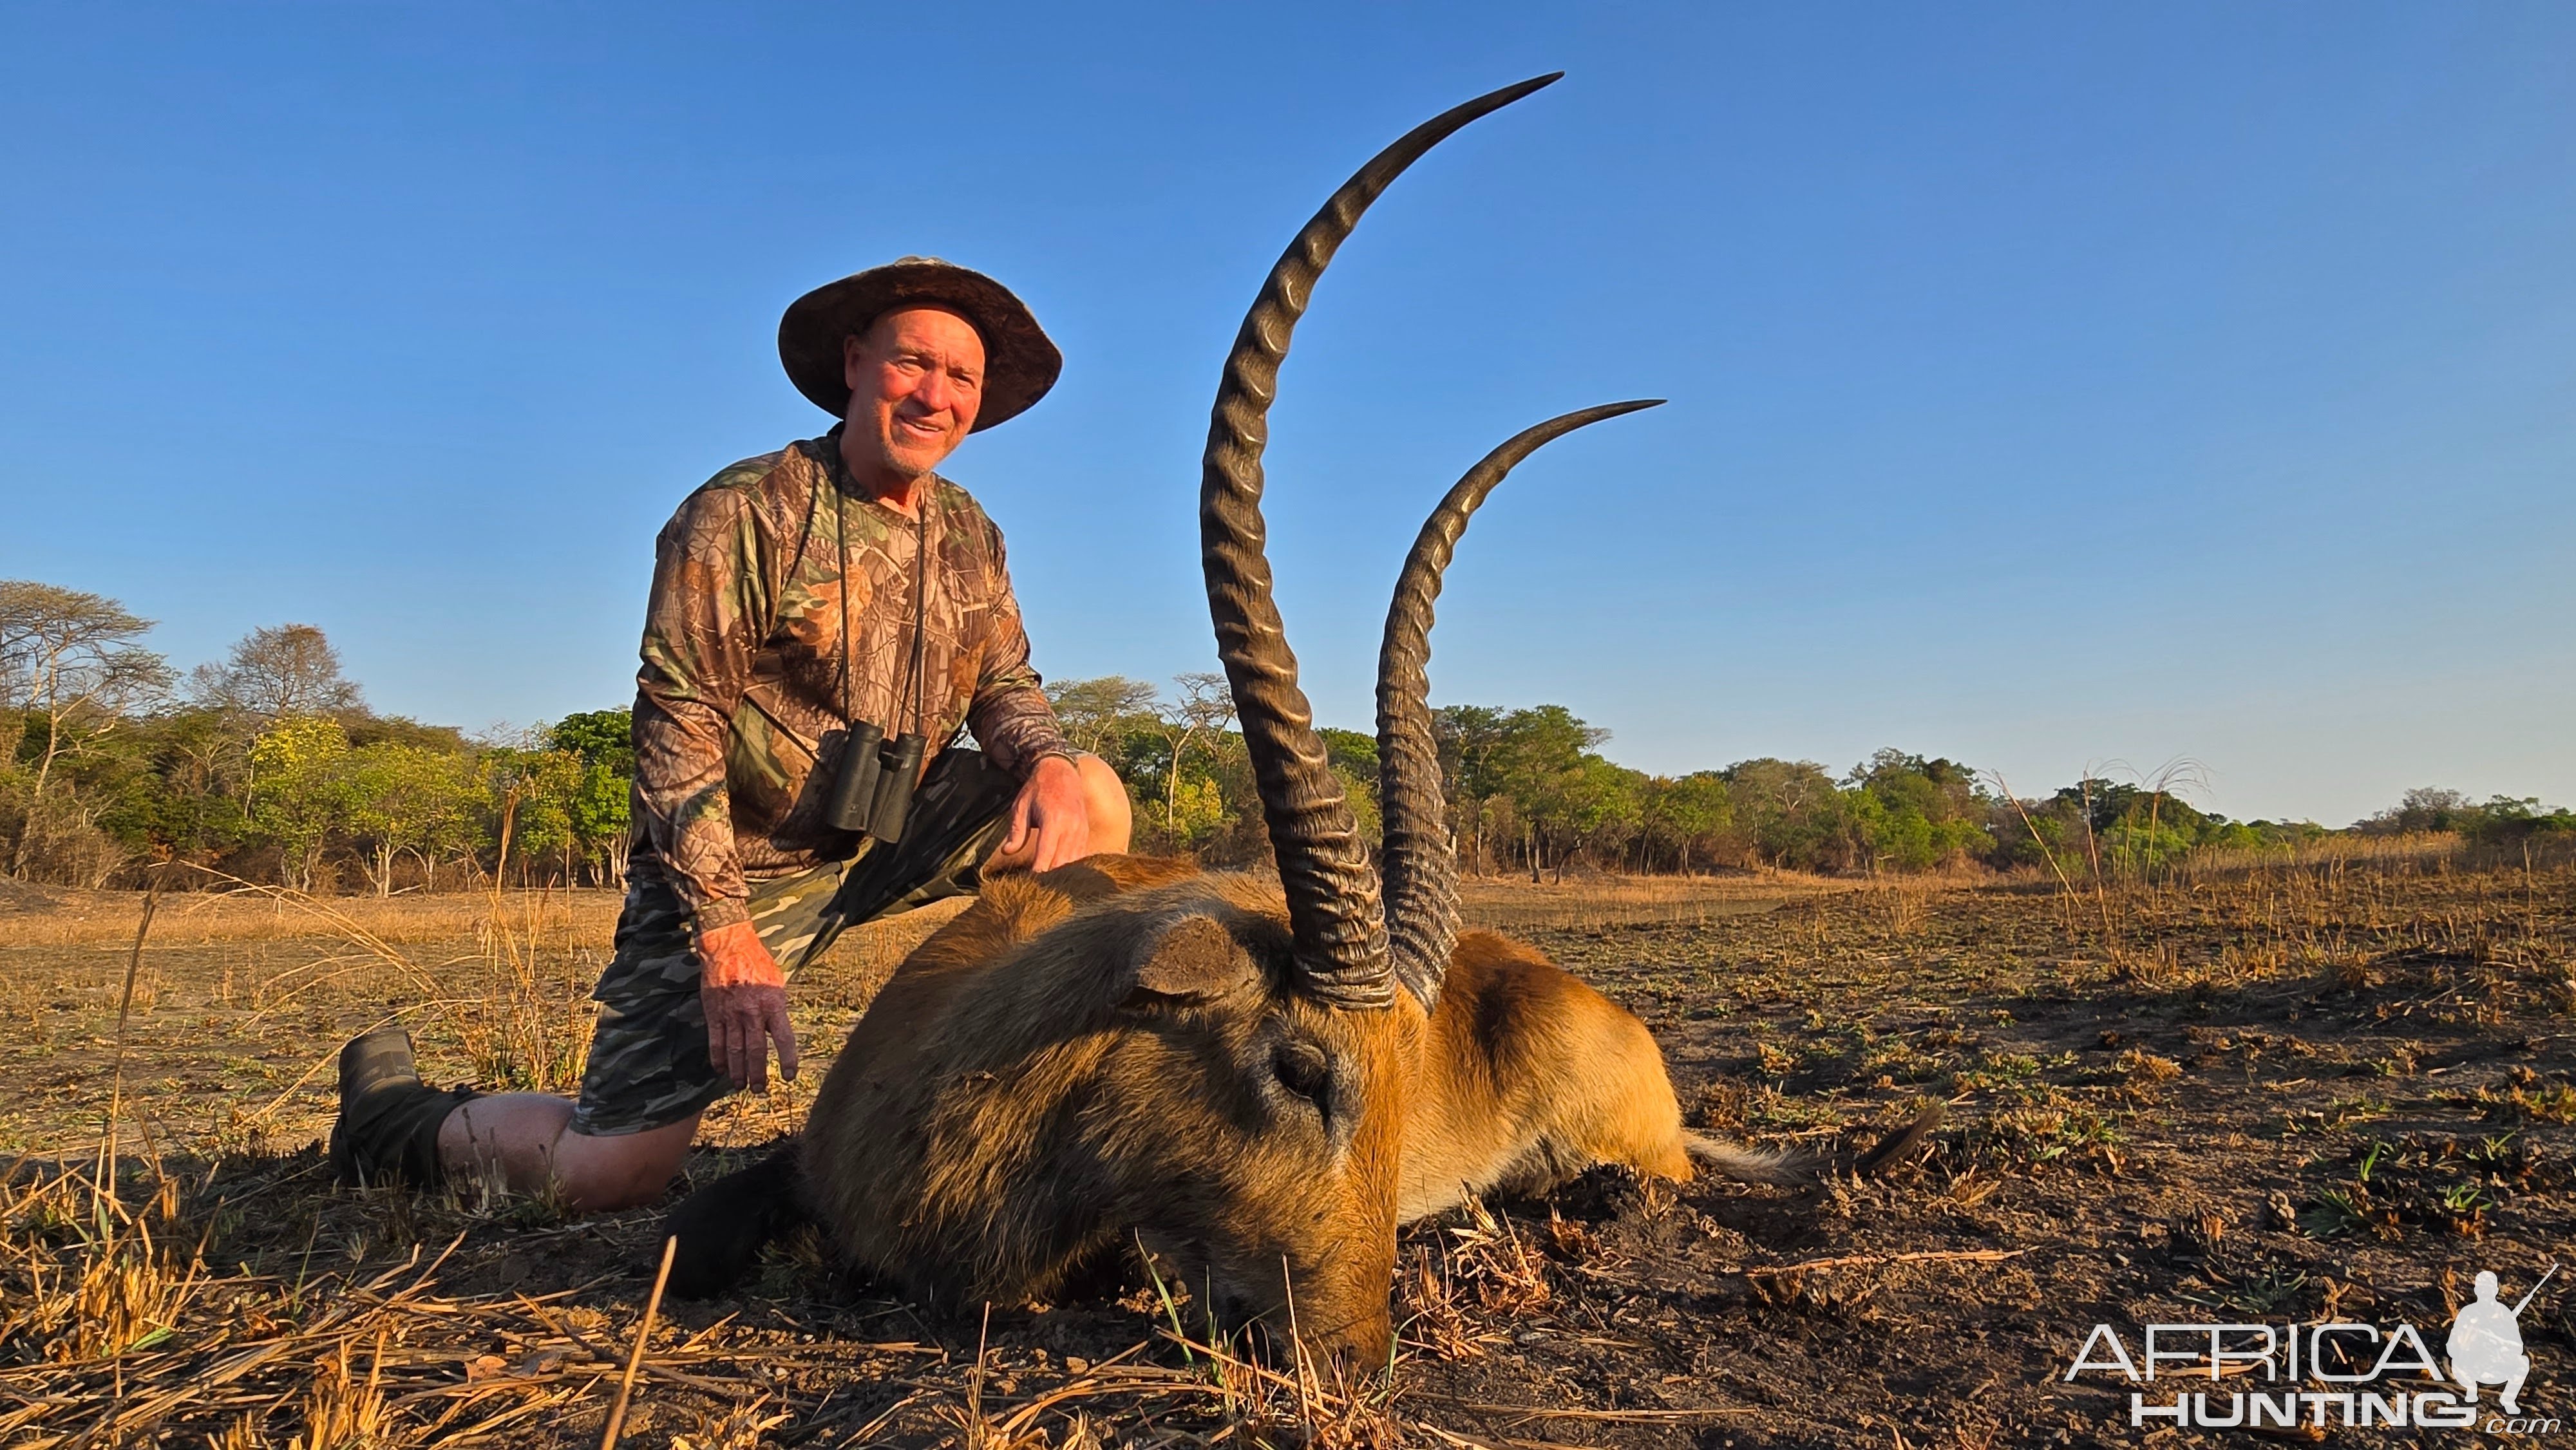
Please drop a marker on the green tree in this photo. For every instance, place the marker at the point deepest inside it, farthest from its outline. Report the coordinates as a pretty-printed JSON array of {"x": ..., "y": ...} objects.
[
  {"x": 2425, "y": 808},
  {"x": 2514, "y": 820},
  {"x": 1095, "y": 712},
  {"x": 1790, "y": 813},
  {"x": 1352, "y": 753},
  {"x": 1590, "y": 808},
  {"x": 1470, "y": 738},
  {"x": 530, "y": 792},
  {"x": 73, "y": 674},
  {"x": 1682, "y": 817},
  {"x": 365, "y": 730},
  {"x": 597, "y": 811},
  {"x": 1353, "y": 757},
  {"x": 303, "y": 795},
  {"x": 1541, "y": 746},
  {"x": 191, "y": 806},
  {"x": 1193, "y": 813},
  {"x": 1911, "y": 813},
  {"x": 408, "y": 799},
  {"x": 2119, "y": 829},
  {"x": 1531, "y": 774},
  {"x": 1189, "y": 729}
]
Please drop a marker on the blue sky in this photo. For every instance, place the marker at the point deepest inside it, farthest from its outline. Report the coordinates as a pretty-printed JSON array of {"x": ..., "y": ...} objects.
[{"x": 2050, "y": 384}]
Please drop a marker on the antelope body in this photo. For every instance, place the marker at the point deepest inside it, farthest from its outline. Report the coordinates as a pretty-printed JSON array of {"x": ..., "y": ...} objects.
[
  {"x": 1117, "y": 1047},
  {"x": 1257, "y": 1080}
]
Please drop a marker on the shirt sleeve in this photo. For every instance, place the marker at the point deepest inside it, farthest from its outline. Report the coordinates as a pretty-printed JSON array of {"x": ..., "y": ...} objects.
[
  {"x": 699, "y": 628},
  {"x": 1010, "y": 714}
]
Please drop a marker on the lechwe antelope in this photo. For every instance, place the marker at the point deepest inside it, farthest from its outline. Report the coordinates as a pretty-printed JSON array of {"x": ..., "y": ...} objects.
[{"x": 1257, "y": 1080}]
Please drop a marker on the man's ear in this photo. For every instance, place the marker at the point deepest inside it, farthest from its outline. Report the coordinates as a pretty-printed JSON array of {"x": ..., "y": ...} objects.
[{"x": 1192, "y": 958}]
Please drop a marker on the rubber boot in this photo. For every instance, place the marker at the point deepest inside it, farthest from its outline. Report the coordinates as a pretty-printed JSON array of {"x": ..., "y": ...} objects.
[{"x": 387, "y": 1131}]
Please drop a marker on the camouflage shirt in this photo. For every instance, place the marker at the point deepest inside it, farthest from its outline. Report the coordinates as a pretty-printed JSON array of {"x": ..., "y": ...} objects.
[{"x": 740, "y": 696}]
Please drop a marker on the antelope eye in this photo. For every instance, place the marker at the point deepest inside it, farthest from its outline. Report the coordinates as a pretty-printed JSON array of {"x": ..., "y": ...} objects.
[{"x": 1302, "y": 1069}]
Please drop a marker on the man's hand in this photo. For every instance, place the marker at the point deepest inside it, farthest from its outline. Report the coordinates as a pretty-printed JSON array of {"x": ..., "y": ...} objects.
[
  {"x": 1050, "y": 819},
  {"x": 745, "y": 997}
]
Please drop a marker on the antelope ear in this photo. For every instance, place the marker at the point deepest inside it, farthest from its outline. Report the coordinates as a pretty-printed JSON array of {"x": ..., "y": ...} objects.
[{"x": 1195, "y": 958}]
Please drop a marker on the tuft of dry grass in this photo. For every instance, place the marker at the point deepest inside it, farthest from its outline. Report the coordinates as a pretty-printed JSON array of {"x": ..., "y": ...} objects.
[
  {"x": 2146, "y": 1067},
  {"x": 95, "y": 1278},
  {"x": 1451, "y": 1289}
]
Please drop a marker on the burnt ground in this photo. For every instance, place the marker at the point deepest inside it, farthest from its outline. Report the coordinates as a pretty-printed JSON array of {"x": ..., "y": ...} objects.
[{"x": 2292, "y": 1095}]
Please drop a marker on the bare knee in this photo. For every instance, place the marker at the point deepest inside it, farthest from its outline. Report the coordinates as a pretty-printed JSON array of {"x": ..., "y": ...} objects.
[
  {"x": 598, "y": 1175},
  {"x": 1105, "y": 798},
  {"x": 524, "y": 1142}
]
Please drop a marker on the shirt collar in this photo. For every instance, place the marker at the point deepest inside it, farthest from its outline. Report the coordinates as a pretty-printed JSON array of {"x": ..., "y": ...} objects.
[{"x": 826, "y": 451}]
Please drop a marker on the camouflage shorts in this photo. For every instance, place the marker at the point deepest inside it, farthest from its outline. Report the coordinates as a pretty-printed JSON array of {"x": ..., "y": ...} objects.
[{"x": 648, "y": 1051}]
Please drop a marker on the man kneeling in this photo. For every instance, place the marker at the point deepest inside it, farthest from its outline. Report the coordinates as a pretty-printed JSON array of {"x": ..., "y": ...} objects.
[{"x": 814, "y": 611}]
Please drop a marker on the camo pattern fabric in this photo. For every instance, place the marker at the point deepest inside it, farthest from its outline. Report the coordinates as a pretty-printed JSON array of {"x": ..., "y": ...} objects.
[
  {"x": 648, "y": 1050},
  {"x": 739, "y": 711}
]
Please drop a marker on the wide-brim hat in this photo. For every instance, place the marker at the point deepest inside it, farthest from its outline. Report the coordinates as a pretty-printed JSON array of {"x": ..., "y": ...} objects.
[{"x": 1020, "y": 364}]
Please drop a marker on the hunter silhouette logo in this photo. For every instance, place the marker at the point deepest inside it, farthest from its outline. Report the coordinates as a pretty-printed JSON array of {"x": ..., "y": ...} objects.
[
  {"x": 2341, "y": 1373},
  {"x": 2486, "y": 1343}
]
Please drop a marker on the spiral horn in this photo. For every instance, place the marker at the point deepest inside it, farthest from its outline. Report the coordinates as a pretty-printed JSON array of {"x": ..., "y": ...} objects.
[
  {"x": 1420, "y": 863},
  {"x": 1334, "y": 908}
]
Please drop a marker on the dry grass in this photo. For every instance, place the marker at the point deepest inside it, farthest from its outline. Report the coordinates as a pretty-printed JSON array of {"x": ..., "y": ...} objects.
[
  {"x": 2431, "y": 852},
  {"x": 256, "y": 914},
  {"x": 1466, "y": 1274},
  {"x": 211, "y": 1287},
  {"x": 118, "y": 1331},
  {"x": 241, "y": 998},
  {"x": 1597, "y": 903},
  {"x": 2424, "y": 852},
  {"x": 356, "y": 1319},
  {"x": 133, "y": 1332}
]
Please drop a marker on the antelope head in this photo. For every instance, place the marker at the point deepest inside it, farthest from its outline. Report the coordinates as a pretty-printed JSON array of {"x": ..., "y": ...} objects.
[{"x": 1309, "y": 1019}]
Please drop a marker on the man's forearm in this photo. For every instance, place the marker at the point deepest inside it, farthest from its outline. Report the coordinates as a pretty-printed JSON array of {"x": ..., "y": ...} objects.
[
  {"x": 1018, "y": 728},
  {"x": 704, "y": 867},
  {"x": 687, "y": 813},
  {"x": 699, "y": 629}
]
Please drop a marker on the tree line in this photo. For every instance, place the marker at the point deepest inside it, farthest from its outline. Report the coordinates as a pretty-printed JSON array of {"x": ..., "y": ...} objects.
[
  {"x": 269, "y": 766},
  {"x": 1530, "y": 793}
]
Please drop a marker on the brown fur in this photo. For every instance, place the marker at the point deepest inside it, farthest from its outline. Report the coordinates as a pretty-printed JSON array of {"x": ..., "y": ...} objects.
[
  {"x": 1531, "y": 1077},
  {"x": 1098, "y": 1053}
]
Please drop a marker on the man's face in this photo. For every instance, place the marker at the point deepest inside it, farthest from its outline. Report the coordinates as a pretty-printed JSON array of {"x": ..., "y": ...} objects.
[{"x": 916, "y": 376}]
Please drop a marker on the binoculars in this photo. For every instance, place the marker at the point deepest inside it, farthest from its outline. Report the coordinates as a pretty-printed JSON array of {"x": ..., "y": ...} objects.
[{"x": 874, "y": 791}]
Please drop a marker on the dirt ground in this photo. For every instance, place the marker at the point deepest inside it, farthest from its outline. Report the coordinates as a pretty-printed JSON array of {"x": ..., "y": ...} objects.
[{"x": 2324, "y": 1092}]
